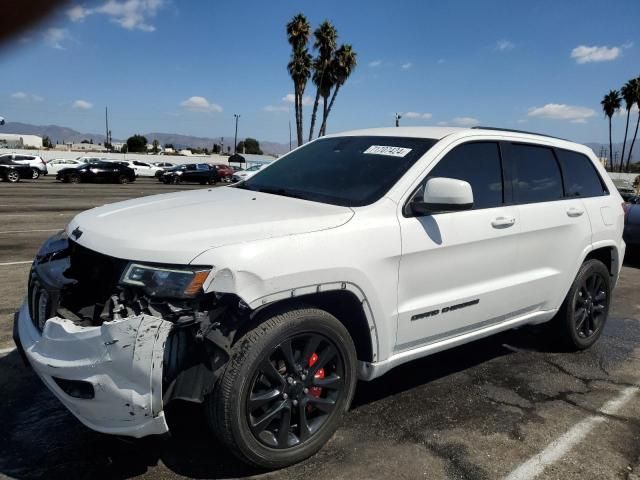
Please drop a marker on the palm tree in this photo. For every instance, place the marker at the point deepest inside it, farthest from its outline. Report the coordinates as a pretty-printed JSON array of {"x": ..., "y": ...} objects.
[
  {"x": 629, "y": 96},
  {"x": 635, "y": 85},
  {"x": 610, "y": 104},
  {"x": 343, "y": 64},
  {"x": 299, "y": 67},
  {"x": 326, "y": 36}
]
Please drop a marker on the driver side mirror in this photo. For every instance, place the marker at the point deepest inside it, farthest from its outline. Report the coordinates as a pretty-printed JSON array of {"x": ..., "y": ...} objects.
[{"x": 443, "y": 195}]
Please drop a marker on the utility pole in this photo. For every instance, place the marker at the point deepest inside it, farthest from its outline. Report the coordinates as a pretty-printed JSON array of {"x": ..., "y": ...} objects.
[
  {"x": 106, "y": 122},
  {"x": 235, "y": 140},
  {"x": 289, "y": 133},
  {"x": 398, "y": 117}
]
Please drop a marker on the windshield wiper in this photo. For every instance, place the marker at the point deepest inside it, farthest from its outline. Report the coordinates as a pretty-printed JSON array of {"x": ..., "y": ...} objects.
[{"x": 281, "y": 191}]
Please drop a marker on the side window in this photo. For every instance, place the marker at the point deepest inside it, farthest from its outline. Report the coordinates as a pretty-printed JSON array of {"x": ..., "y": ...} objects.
[
  {"x": 536, "y": 174},
  {"x": 580, "y": 176},
  {"x": 479, "y": 164}
]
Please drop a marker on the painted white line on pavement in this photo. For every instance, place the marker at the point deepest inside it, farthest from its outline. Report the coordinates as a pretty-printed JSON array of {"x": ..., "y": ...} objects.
[
  {"x": 563, "y": 444},
  {"x": 31, "y": 231},
  {"x": 23, "y": 262}
]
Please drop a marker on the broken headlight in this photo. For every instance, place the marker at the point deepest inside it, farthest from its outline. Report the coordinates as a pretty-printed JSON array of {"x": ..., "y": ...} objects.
[{"x": 165, "y": 282}]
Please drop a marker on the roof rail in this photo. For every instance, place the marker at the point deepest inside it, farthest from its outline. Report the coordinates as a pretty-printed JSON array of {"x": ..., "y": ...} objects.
[{"x": 517, "y": 131}]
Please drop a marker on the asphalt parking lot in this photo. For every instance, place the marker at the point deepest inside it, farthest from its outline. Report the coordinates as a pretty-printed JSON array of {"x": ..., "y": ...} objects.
[{"x": 511, "y": 406}]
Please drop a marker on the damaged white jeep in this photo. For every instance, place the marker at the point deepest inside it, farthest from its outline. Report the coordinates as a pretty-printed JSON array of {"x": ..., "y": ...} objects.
[{"x": 266, "y": 300}]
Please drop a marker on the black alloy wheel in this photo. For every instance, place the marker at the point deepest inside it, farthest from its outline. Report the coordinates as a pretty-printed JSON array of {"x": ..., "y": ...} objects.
[
  {"x": 73, "y": 178},
  {"x": 123, "y": 179},
  {"x": 590, "y": 305},
  {"x": 294, "y": 390}
]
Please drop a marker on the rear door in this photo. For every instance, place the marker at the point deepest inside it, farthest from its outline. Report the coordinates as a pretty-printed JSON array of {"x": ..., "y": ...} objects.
[
  {"x": 456, "y": 271},
  {"x": 554, "y": 229}
]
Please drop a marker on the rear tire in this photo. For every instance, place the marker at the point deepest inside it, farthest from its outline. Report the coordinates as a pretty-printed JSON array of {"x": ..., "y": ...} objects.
[
  {"x": 123, "y": 179},
  {"x": 72, "y": 178},
  {"x": 585, "y": 309},
  {"x": 35, "y": 173},
  {"x": 262, "y": 391},
  {"x": 12, "y": 176}
]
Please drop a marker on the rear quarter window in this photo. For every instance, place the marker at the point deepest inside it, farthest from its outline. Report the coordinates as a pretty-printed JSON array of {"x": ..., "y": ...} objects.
[{"x": 580, "y": 176}]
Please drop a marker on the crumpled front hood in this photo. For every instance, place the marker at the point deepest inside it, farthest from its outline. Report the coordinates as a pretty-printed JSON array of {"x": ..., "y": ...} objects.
[{"x": 177, "y": 227}]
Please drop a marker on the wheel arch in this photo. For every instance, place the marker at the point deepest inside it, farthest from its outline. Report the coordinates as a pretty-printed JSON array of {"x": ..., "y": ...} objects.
[
  {"x": 609, "y": 256},
  {"x": 344, "y": 301}
]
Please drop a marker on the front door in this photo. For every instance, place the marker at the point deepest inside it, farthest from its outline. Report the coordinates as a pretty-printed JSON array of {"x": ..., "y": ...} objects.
[{"x": 456, "y": 271}]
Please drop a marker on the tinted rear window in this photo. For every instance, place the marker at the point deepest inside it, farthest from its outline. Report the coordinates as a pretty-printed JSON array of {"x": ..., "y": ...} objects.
[
  {"x": 580, "y": 176},
  {"x": 348, "y": 171},
  {"x": 536, "y": 174}
]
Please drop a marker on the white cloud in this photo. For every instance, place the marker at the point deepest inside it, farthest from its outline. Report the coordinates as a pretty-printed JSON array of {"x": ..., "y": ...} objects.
[
  {"x": 82, "y": 105},
  {"x": 465, "y": 121},
  {"x": 200, "y": 104},
  {"x": 276, "y": 108},
  {"x": 55, "y": 37},
  {"x": 443, "y": 124},
  {"x": 406, "y": 66},
  {"x": 425, "y": 116},
  {"x": 560, "y": 111},
  {"x": 586, "y": 54},
  {"x": 291, "y": 98},
  {"x": 27, "y": 96},
  {"x": 375, "y": 63},
  {"x": 504, "y": 45},
  {"x": 129, "y": 14},
  {"x": 627, "y": 45}
]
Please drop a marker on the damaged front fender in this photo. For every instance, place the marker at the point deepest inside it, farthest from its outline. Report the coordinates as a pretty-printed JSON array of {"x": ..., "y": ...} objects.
[{"x": 121, "y": 359}]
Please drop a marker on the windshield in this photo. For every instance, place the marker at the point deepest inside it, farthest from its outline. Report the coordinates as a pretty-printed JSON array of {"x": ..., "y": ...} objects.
[{"x": 347, "y": 171}]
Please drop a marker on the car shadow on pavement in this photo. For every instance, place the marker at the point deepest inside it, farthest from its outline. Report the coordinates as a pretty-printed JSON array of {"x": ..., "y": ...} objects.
[
  {"x": 632, "y": 258},
  {"x": 41, "y": 439}
]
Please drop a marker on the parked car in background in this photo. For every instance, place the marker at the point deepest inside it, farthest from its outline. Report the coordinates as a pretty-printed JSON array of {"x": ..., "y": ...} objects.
[
  {"x": 12, "y": 172},
  {"x": 631, "y": 233},
  {"x": 38, "y": 166},
  {"x": 163, "y": 164},
  {"x": 142, "y": 169},
  {"x": 625, "y": 188},
  {"x": 57, "y": 164},
  {"x": 191, "y": 173},
  {"x": 108, "y": 172},
  {"x": 247, "y": 174},
  {"x": 225, "y": 172},
  {"x": 92, "y": 159}
]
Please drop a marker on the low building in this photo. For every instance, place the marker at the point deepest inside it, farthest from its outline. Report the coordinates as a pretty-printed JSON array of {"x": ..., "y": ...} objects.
[{"x": 17, "y": 140}]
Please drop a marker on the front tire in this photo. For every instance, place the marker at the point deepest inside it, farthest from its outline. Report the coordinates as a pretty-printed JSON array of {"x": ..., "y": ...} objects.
[
  {"x": 123, "y": 179},
  {"x": 585, "y": 309},
  {"x": 35, "y": 173},
  {"x": 285, "y": 388},
  {"x": 12, "y": 176}
]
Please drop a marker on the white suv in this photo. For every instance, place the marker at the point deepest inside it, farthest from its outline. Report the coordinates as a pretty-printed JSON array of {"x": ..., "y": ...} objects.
[
  {"x": 38, "y": 166},
  {"x": 351, "y": 255}
]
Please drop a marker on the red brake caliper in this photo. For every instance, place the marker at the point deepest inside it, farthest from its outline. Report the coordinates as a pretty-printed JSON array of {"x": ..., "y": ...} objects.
[{"x": 315, "y": 391}]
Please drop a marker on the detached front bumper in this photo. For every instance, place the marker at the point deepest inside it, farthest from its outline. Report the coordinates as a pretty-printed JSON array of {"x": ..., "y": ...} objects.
[{"x": 121, "y": 360}]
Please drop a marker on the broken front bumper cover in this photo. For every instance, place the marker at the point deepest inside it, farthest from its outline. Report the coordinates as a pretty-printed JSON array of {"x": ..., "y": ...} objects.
[{"x": 121, "y": 359}]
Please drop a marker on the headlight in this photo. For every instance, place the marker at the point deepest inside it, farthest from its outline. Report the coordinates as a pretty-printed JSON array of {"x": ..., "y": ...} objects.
[
  {"x": 169, "y": 282},
  {"x": 179, "y": 172}
]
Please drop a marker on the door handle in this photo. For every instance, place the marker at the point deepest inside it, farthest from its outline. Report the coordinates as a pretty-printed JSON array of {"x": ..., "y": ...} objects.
[
  {"x": 575, "y": 212},
  {"x": 503, "y": 222}
]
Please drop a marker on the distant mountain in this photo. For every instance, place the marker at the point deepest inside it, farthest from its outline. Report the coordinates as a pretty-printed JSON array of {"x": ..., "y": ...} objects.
[
  {"x": 59, "y": 134},
  {"x": 603, "y": 148}
]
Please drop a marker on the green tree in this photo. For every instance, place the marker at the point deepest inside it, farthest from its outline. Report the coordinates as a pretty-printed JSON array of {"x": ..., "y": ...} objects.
[
  {"x": 124, "y": 148},
  {"x": 156, "y": 146},
  {"x": 610, "y": 104},
  {"x": 169, "y": 145},
  {"x": 299, "y": 66},
  {"x": 325, "y": 42},
  {"x": 137, "y": 144},
  {"x": 216, "y": 148},
  {"x": 250, "y": 146},
  {"x": 46, "y": 142},
  {"x": 85, "y": 141},
  {"x": 635, "y": 85},
  {"x": 342, "y": 66}
]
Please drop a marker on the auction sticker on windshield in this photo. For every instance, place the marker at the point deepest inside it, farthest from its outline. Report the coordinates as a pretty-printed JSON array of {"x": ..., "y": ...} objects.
[{"x": 387, "y": 150}]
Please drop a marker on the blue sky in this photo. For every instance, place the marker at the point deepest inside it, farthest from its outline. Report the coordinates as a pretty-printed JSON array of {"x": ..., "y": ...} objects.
[{"x": 541, "y": 66}]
